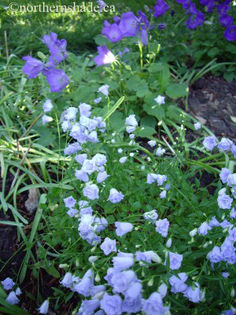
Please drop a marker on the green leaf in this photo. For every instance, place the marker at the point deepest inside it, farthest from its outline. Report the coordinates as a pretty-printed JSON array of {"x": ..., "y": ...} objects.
[
  {"x": 117, "y": 121},
  {"x": 148, "y": 121},
  {"x": 155, "y": 110},
  {"x": 146, "y": 132},
  {"x": 176, "y": 90}
]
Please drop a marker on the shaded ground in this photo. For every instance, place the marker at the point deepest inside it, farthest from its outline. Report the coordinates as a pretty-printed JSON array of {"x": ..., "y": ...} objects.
[{"x": 213, "y": 101}]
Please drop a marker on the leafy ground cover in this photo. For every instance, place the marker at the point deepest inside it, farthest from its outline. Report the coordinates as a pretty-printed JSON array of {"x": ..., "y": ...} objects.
[{"x": 114, "y": 198}]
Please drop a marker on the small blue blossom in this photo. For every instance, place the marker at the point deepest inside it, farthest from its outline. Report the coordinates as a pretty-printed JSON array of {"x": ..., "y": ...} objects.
[
  {"x": 115, "y": 196},
  {"x": 91, "y": 191},
  {"x": 108, "y": 246},
  {"x": 123, "y": 228},
  {"x": 209, "y": 143},
  {"x": 162, "y": 227}
]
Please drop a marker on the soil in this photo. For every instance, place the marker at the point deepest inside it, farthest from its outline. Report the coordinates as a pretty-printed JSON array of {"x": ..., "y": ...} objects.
[{"x": 213, "y": 102}]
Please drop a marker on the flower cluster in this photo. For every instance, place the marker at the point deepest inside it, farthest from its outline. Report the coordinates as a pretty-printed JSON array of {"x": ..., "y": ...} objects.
[
  {"x": 57, "y": 79},
  {"x": 12, "y": 297}
]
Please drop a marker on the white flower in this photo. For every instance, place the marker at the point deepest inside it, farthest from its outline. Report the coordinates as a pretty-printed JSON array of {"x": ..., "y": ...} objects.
[
  {"x": 104, "y": 89},
  {"x": 44, "y": 307},
  {"x": 197, "y": 125},
  {"x": 160, "y": 100},
  {"x": 47, "y": 106},
  {"x": 46, "y": 119}
]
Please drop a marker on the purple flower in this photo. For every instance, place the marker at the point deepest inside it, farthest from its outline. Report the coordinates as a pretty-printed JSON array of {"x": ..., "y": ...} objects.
[
  {"x": 56, "y": 47},
  {"x": 226, "y": 20},
  {"x": 8, "y": 284},
  {"x": 102, "y": 176},
  {"x": 214, "y": 255},
  {"x": 111, "y": 304},
  {"x": 121, "y": 281},
  {"x": 209, "y": 142},
  {"x": 225, "y": 144},
  {"x": 105, "y": 56},
  {"x": 194, "y": 294},
  {"x": 44, "y": 307},
  {"x": 91, "y": 191},
  {"x": 152, "y": 143},
  {"x": 233, "y": 150},
  {"x": 81, "y": 175},
  {"x": 85, "y": 109},
  {"x": 32, "y": 67},
  {"x": 224, "y": 201},
  {"x": 197, "y": 125},
  {"x": 145, "y": 256},
  {"x": 160, "y": 8},
  {"x": 175, "y": 260},
  {"x": 112, "y": 32},
  {"x": 47, "y": 106},
  {"x": 67, "y": 281},
  {"x": 204, "y": 228},
  {"x": 195, "y": 20},
  {"x": 233, "y": 213},
  {"x": 100, "y": 224},
  {"x": 225, "y": 172},
  {"x": 228, "y": 251},
  {"x": 88, "y": 307},
  {"x": 178, "y": 283},
  {"x": 230, "y": 33},
  {"x": 231, "y": 180},
  {"x": 161, "y": 179},
  {"x": 12, "y": 298},
  {"x": 162, "y": 227},
  {"x": 121, "y": 263},
  {"x": 160, "y": 100},
  {"x": 57, "y": 79},
  {"x": 163, "y": 194},
  {"x": 153, "y": 305},
  {"x": 85, "y": 284},
  {"x": 72, "y": 212},
  {"x": 123, "y": 228},
  {"x": 132, "y": 305},
  {"x": 151, "y": 216},
  {"x": 104, "y": 89},
  {"x": 151, "y": 178},
  {"x": 128, "y": 24},
  {"x": 72, "y": 148},
  {"x": 80, "y": 158},
  {"x": 131, "y": 121},
  {"x": 69, "y": 202},
  {"x": 115, "y": 196},
  {"x": 46, "y": 119},
  {"x": 108, "y": 246},
  {"x": 214, "y": 222},
  {"x": 223, "y": 8}
]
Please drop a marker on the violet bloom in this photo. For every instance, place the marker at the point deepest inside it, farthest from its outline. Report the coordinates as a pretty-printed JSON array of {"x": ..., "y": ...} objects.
[
  {"x": 56, "y": 47},
  {"x": 224, "y": 174},
  {"x": 47, "y": 106},
  {"x": 225, "y": 144},
  {"x": 69, "y": 202},
  {"x": 214, "y": 255},
  {"x": 195, "y": 20},
  {"x": 151, "y": 216},
  {"x": 121, "y": 263},
  {"x": 112, "y": 32},
  {"x": 224, "y": 201},
  {"x": 44, "y": 307},
  {"x": 85, "y": 284},
  {"x": 123, "y": 228},
  {"x": 12, "y": 298},
  {"x": 204, "y": 228},
  {"x": 108, "y": 246},
  {"x": 154, "y": 305},
  {"x": 32, "y": 67},
  {"x": 128, "y": 24},
  {"x": 121, "y": 281},
  {"x": 88, "y": 306},
  {"x": 46, "y": 119},
  {"x": 160, "y": 8},
  {"x": 226, "y": 20},
  {"x": 194, "y": 295},
  {"x": 57, "y": 79},
  {"x": 209, "y": 143},
  {"x": 105, "y": 56},
  {"x": 178, "y": 282},
  {"x": 91, "y": 191},
  {"x": 162, "y": 227},
  {"x": 8, "y": 284},
  {"x": 230, "y": 33},
  {"x": 115, "y": 196},
  {"x": 175, "y": 260},
  {"x": 111, "y": 304}
]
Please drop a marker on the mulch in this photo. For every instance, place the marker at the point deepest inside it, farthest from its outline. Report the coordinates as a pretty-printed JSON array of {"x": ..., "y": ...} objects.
[{"x": 213, "y": 101}]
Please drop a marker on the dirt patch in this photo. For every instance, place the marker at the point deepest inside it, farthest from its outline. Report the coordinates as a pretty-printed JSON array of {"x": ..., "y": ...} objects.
[{"x": 213, "y": 101}]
